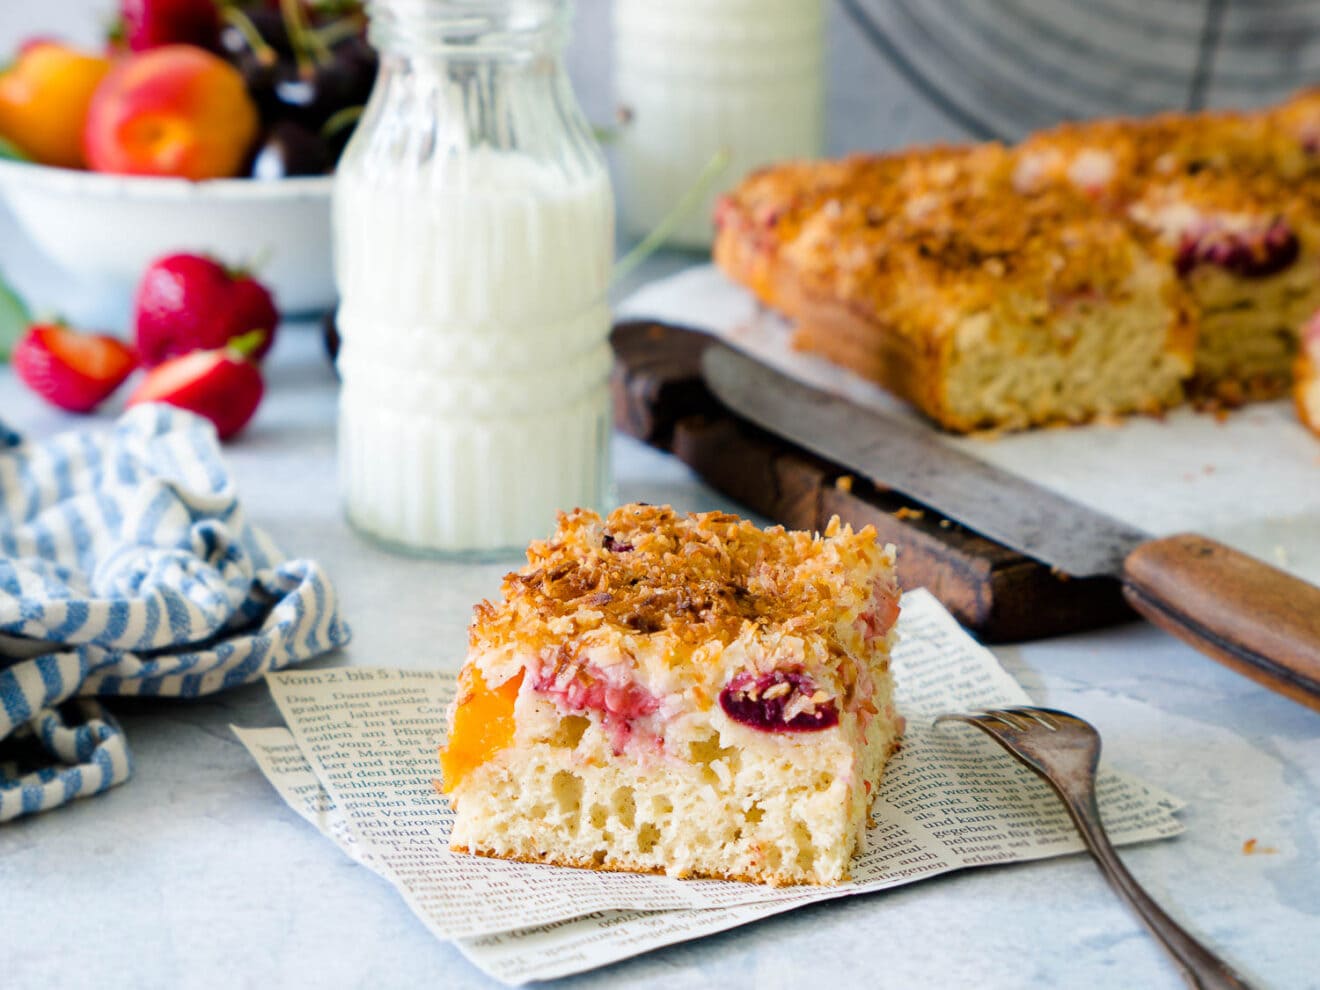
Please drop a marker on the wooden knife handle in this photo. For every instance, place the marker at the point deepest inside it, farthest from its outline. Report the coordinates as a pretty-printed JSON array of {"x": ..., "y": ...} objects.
[{"x": 1243, "y": 612}]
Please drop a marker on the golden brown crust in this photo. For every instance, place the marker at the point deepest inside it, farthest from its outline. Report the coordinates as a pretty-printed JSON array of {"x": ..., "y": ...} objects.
[
  {"x": 1259, "y": 158},
  {"x": 700, "y": 578},
  {"x": 1299, "y": 118},
  {"x": 550, "y": 859}
]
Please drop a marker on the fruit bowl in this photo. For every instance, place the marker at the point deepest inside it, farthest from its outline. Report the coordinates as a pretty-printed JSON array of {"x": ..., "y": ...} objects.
[{"x": 104, "y": 230}]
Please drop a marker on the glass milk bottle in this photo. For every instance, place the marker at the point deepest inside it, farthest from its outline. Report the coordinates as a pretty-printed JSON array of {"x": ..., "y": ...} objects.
[
  {"x": 697, "y": 77},
  {"x": 474, "y": 245}
]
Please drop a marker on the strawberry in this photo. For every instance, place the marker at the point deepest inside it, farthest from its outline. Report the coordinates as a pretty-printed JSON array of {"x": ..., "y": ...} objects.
[
  {"x": 224, "y": 385},
  {"x": 152, "y": 23},
  {"x": 186, "y": 302},
  {"x": 75, "y": 371}
]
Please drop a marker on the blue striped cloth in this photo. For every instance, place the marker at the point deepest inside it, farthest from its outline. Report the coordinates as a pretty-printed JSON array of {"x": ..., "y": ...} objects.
[{"x": 127, "y": 568}]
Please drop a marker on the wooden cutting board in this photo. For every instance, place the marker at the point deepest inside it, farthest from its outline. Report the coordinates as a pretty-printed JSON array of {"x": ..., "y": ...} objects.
[{"x": 660, "y": 398}]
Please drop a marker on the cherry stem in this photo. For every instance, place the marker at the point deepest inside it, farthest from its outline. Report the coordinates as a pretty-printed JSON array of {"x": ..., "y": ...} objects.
[
  {"x": 340, "y": 119},
  {"x": 239, "y": 20},
  {"x": 247, "y": 344},
  {"x": 337, "y": 31},
  {"x": 308, "y": 49}
]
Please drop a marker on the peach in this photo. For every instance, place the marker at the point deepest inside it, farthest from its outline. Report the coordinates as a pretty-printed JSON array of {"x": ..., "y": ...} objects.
[
  {"x": 483, "y": 725},
  {"x": 171, "y": 111},
  {"x": 44, "y": 96}
]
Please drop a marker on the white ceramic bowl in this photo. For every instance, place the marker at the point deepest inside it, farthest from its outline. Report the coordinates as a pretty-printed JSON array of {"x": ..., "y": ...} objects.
[{"x": 103, "y": 230}]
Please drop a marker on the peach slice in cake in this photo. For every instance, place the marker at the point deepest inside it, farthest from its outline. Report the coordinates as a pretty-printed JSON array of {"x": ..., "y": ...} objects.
[{"x": 682, "y": 694}]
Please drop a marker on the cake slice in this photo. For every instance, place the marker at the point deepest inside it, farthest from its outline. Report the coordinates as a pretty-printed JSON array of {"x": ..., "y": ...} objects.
[
  {"x": 984, "y": 306},
  {"x": 1233, "y": 196},
  {"x": 680, "y": 694}
]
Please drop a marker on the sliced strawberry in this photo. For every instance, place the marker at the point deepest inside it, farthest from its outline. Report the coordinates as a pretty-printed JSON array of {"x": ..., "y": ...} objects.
[
  {"x": 75, "y": 371},
  {"x": 223, "y": 385},
  {"x": 187, "y": 302}
]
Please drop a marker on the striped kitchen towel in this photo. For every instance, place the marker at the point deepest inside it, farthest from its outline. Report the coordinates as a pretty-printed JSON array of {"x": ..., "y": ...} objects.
[{"x": 127, "y": 567}]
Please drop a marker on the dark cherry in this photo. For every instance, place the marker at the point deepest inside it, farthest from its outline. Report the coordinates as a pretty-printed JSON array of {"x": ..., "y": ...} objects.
[
  {"x": 615, "y": 546},
  {"x": 259, "y": 79},
  {"x": 291, "y": 149},
  {"x": 360, "y": 64},
  {"x": 1251, "y": 255},
  {"x": 300, "y": 95},
  {"x": 313, "y": 95},
  {"x": 744, "y": 700}
]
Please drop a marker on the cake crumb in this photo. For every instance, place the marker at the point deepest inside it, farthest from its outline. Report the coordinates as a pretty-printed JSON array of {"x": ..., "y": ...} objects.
[
  {"x": 844, "y": 483},
  {"x": 1252, "y": 848},
  {"x": 907, "y": 512}
]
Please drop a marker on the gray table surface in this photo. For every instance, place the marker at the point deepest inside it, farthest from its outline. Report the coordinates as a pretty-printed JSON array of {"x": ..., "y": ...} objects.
[{"x": 195, "y": 874}]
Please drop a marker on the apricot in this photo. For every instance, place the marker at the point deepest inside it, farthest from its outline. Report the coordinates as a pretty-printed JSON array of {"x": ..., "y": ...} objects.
[
  {"x": 482, "y": 726},
  {"x": 44, "y": 97},
  {"x": 171, "y": 111}
]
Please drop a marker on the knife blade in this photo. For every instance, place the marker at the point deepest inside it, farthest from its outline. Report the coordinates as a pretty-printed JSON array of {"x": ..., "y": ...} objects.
[{"x": 1245, "y": 613}]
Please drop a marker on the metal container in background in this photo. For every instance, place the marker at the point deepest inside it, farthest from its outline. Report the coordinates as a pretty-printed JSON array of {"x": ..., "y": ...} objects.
[{"x": 696, "y": 78}]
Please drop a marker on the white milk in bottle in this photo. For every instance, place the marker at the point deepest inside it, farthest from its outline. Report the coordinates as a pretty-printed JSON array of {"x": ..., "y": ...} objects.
[
  {"x": 699, "y": 77},
  {"x": 474, "y": 239}
]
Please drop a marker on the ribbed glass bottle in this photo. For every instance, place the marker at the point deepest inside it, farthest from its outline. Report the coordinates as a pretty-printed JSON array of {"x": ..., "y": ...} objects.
[{"x": 473, "y": 250}]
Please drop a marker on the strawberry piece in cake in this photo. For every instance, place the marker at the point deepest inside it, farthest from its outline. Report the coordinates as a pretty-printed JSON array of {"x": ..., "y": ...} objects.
[{"x": 681, "y": 694}]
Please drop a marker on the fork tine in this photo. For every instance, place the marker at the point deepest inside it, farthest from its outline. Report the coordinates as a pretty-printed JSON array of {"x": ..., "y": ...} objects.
[
  {"x": 1041, "y": 715},
  {"x": 1012, "y": 717}
]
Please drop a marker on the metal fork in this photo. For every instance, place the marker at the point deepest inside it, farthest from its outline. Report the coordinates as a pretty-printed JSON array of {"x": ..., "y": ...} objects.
[{"x": 1066, "y": 751}]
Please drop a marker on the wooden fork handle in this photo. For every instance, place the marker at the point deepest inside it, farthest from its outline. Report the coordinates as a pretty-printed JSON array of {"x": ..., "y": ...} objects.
[
  {"x": 1246, "y": 614},
  {"x": 1201, "y": 968}
]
